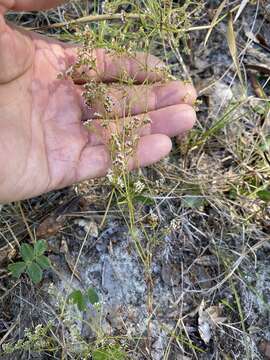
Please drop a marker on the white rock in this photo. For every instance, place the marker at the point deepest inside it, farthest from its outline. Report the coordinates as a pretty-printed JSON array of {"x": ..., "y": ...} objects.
[{"x": 89, "y": 227}]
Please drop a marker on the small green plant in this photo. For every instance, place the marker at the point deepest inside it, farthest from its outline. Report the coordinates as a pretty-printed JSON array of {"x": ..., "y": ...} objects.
[
  {"x": 37, "y": 339},
  {"x": 34, "y": 261},
  {"x": 108, "y": 353},
  {"x": 82, "y": 299},
  {"x": 264, "y": 195}
]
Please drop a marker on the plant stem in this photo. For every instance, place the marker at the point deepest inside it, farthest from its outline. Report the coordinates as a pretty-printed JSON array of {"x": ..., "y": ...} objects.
[
  {"x": 122, "y": 16},
  {"x": 91, "y": 18},
  {"x": 107, "y": 209}
]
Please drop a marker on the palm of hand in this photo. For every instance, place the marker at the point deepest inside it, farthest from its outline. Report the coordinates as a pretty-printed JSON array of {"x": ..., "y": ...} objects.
[
  {"x": 43, "y": 145},
  {"x": 43, "y": 123}
]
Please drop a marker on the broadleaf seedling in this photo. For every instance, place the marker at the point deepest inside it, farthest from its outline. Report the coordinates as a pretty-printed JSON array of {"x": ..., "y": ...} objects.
[
  {"x": 82, "y": 299},
  {"x": 34, "y": 261}
]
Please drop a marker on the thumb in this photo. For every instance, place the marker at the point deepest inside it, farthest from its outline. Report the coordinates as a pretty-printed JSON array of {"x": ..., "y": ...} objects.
[{"x": 16, "y": 52}]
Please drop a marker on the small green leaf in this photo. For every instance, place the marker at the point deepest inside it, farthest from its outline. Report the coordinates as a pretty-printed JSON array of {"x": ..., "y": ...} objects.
[
  {"x": 77, "y": 298},
  {"x": 226, "y": 303},
  {"x": 27, "y": 252},
  {"x": 40, "y": 247},
  {"x": 264, "y": 195},
  {"x": 265, "y": 145},
  {"x": 92, "y": 296},
  {"x": 35, "y": 273},
  {"x": 17, "y": 268},
  {"x": 100, "y": 354},
  {"x": 145, "y": 200},
  {"x": 193, "y": 201},
  {"x": 43, "y": 262},
  {"x": 109, "y": 353},
  {"x": 232, "y": 194}
]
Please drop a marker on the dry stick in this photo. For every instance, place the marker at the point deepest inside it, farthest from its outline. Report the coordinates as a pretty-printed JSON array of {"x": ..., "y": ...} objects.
[
  {"x": 181, "y": 61},
  {"x": 32, "y": 237},
  {"x": 237, "y": 264},
  {"x": 91, "y": 18},
  {"x": 122, "y": 17},
  {"x": 9, "y": 331}
]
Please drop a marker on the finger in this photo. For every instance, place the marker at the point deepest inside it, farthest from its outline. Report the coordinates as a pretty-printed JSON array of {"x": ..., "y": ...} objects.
[
  {"x": 139, "y": 67},
  {"x": 171, "y": 121},
  {"x": 29, "y": 5},
  {"x": 95, "y": 160},
  {"x": 16, "y": 53},
  {"x": 127, "y": 101}
]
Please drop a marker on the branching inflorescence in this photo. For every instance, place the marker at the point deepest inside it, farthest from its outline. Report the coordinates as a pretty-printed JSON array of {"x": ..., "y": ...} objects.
[{"x": 143, "y": 25}]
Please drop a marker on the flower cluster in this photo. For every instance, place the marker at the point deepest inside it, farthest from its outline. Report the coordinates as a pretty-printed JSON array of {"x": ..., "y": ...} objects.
[
  {"x": 153, "y": 219},
  {"x": 123, "y": 145},
  {"x": 97, "y": 92},
  {"x": 139, "y": 187},
  {"x": 36, "y": 340},
  {"x": 175, "y": 224},
  {"x": 85, "y": 63}
]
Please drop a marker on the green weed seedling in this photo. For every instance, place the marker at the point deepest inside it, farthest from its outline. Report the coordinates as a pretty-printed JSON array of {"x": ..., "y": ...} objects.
[
  {"x": 82, "y": 299},
  {"x": 264, "y": 195},
  {"x": 34, "y": 261},
  {"x": 108, "y": 353}
]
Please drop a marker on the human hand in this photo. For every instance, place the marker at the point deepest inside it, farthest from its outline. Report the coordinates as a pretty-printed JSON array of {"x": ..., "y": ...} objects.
[{"x": 43, "y": 144}]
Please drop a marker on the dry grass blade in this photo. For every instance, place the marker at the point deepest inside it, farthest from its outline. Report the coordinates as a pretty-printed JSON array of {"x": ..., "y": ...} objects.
[
  {"x": 12, "y": 327},
  {"x": 214, "y": 21},
  {"x": 232, "y": 47},
  {"x": 257, "y": 87},
  {"x": 241, "y": 8},
  {"x": 259, "y": 68}
]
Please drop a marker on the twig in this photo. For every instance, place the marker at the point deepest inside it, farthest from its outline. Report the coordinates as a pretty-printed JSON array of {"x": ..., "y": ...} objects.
[
  {"x": 121, "y": 17},
  {"x": 90, "y": 18},
  {"x": 9, "y": 331}
]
